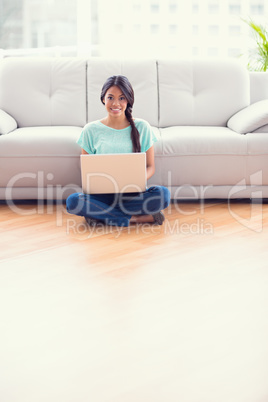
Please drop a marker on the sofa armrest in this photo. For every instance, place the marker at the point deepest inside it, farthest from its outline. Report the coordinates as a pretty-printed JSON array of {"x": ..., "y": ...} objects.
[
  {"x": 250, "y": 119},
  {"x": 7, "y": 123}
]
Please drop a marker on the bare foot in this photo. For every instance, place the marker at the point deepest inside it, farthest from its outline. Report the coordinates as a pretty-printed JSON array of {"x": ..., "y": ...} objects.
[{"x": 142, "y": 219}]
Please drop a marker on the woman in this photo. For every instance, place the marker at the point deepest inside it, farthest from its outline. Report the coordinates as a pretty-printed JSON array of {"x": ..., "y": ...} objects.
[{"x": 118, "y": 132}]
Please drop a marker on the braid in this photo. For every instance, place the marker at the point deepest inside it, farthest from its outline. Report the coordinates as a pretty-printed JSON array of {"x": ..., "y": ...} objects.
[{"x": 135, "y": 135}]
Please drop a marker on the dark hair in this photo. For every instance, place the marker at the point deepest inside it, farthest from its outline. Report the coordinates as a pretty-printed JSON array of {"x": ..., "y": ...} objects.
[{"x": 123, "y": 83}]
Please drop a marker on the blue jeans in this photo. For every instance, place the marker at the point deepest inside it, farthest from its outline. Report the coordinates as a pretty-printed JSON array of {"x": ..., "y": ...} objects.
[{"x": 117, "y": 209}]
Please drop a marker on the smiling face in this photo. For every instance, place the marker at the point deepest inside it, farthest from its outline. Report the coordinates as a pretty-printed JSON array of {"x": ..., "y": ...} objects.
[{"x": 115, "y": 102}]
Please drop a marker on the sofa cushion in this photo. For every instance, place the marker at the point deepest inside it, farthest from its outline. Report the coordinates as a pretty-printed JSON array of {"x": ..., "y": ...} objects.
[
  {"x": 49, "y": 154},
  {"x": 45, "y": 91},
  {"x": 258, "y": 86},
  {"x": 142, "y": 76},
  {"x": 200, "y": 141},
  {"x": 201, "y": 93},
  {"x": 7, "y": 123},
  {"x": 203, "y": 156},
  {"x": 257, "y": 158},
  {"x": 41, "y": 141},
  {"x": 257, "y": 144},
  {"x": 250, "y": 118}
]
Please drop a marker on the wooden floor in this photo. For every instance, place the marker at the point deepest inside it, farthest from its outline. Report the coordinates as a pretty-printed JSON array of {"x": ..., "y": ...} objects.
[{"x": 172, "y": 313}]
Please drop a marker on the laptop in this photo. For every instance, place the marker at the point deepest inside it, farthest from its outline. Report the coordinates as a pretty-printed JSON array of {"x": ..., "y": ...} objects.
[{"x": 113, "y": 173}]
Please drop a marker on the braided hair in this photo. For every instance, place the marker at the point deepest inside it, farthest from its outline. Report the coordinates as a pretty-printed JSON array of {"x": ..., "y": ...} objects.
[{"x": 123, "y": 83}]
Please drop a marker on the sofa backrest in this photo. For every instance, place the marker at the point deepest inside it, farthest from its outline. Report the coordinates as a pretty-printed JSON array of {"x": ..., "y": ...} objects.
[
  {"x": 45, "y": 91},
  {"x": 258, "y": 86},
  {"x": 204, "y": 93},
  {"x": 66, "y": 91},
  {"x": 142, "y": 76}
]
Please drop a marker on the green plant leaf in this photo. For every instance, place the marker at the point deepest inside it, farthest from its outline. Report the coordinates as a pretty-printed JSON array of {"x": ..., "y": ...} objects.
[{"x": 258, "y": 57}]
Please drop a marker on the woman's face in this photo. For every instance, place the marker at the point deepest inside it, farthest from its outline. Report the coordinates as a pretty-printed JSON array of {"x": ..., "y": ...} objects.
[{"x": 115, "y": 102}]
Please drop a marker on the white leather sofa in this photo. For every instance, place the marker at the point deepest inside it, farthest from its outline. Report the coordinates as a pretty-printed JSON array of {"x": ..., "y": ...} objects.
[{"x": 211, "y": 119}]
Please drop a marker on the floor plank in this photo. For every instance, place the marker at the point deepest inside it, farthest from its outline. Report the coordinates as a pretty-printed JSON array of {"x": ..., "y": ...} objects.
[{"x": 146, "y": 313}]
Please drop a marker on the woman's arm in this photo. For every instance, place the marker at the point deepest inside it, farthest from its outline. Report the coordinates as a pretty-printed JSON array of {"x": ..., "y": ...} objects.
[
  {"x": 150, "y": 166},
  {"x": 83, "y": 151}
]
